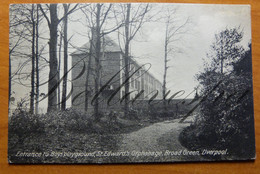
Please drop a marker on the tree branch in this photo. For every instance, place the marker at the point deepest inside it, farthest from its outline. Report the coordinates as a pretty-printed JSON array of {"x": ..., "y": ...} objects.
[
  {"x": 69, "y": 12},
  {"x": 140, "y": 23},
  {"x": 122, "y": 24},
  {"x": 44, "y": 14},
  {"x": 104, "y": 19}
]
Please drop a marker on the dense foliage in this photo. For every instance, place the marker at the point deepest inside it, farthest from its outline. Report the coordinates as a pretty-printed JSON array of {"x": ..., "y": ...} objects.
[
  {"x": 226, "y": 110},
  {"x": 65, "y": 131}
]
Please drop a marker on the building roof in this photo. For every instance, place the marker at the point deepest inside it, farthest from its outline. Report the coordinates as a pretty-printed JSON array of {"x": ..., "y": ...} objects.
[
  {"x": 109, "y": 46},
  {"x": 143, "y": 68}
]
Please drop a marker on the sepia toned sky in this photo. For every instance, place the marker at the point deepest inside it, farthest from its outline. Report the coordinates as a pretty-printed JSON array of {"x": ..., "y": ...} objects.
[{"x": 148, "y": 45}]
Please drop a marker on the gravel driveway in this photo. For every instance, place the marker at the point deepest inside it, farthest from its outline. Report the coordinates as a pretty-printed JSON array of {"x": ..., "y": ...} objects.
[{"x": 142, "y": 143}]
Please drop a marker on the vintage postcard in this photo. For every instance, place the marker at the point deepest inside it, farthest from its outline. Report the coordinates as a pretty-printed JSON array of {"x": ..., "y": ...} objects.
[{"x": 130, "y": 83}]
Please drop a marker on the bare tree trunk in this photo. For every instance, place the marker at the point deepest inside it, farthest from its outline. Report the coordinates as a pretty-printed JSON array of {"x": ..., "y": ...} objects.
[
  {"x": 33, "y": 63},
  {"x": 37, "y": 63},
  {"x": 171, "y": 31},
  {"x": 65, "y": 69},
  {"x": 165, "y": 66},
  {"x": 53, "y": 23},
  {"x": 88, "y": 71},
  {"x": 59, "y": 63},
  {"x": 97, "y": 61},
  {"x": 126, "y": 58},
  {"x": 53, "y": 75}
]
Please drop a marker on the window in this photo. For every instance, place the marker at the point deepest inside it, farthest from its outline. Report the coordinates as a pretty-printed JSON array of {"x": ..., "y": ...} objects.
[
  {"x": 123, "y": 77},
  {"x": 132, "y": 67},
  {"x": 132, "y": 82},
  {"x": 146, "y": 77},
  {"x": 146, "y": 89},
  {"x": 123, "y": 93},
  {"x": 138, "y": 85}
]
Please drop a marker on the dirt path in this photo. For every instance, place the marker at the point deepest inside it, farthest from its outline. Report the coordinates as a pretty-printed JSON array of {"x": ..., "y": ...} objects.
[{"x": 157, "y": 138}]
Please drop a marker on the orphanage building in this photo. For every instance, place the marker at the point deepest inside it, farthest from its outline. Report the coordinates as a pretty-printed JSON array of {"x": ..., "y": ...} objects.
[{"x": 112, "y": 76}]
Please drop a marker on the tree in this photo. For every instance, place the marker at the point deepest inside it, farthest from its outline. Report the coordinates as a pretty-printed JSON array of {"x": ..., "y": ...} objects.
[
  {"x": 32, "y": 94},
  {"x": 53, "y": 75},
  {"x": 225, "y": 50},
  {"x": 126, "y": 58},
  {"x": 226, "y": 104},
  {"x": 65, "y": 61},
  {"x": 97, "y": 16},
  {"x": 17, "y": 31},
  {"x": 174, "y": 32},
  {"x": 24, "y": 28},
  {"x": 97, "y": 42},
  {"x": 37, "y": 69},
  {"x": 87, "y": 91},
  {"x": 134, "y": 17},
  {"x": 59, "y": 68},
  {"x": 26, "y": 52},
  {"x": 53, "y": 23}
]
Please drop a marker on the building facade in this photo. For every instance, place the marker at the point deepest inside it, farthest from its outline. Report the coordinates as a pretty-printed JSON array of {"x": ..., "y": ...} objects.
[{"x": 142, "y": 84}]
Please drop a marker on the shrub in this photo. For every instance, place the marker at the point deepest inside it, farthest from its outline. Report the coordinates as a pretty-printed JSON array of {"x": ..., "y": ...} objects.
[
  {"x": 68, "y": 120},
  {"x": 226, "y": 117},
  {"x": 23, "y": 123},
  {"x": 226, "y": 108}
]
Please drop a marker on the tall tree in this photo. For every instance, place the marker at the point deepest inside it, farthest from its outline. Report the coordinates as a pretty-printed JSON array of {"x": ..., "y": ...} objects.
[
  {"x": 87, "y": 91},
  {"x": 32, "y": 94},
  {"x": 225, "y": 49},
  {"x": 53, "y": 23},
  {"x": 37, "y": 69},
  {"x": 126, "y": 59},
  {"x": 174, "y": 32},
  {"x": 134, "y": 17},
  {"x": 24, "y": 27},
  {"x": 17, "y": 32},
  {"x": 53, "y": 74},
  {"x": 65, "y": 60},
  {"x": 24, "y": 44},
  {"x": 59, "y": 68},
  {"x": 97, "y": 42},
  {"x": 97, "y": 16},
  {"x": 226, "y": 106}
]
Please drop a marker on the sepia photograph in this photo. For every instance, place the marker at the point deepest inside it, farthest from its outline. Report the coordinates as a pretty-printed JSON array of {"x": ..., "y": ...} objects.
[{"x": 130, "y": 83}]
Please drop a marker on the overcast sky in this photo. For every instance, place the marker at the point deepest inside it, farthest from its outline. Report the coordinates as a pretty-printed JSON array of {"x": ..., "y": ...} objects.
[
  {"x": 206, "y": 21},
  {"x": 148, "y": 46}
]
